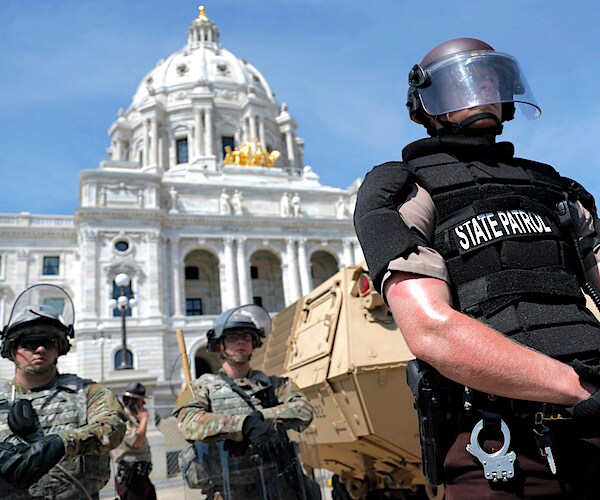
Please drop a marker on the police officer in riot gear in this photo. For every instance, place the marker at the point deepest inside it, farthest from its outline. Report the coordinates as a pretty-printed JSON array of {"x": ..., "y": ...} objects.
[
  {"x": 55, "y": 429},
  {"x": 239, "y": 416},
  {"x": 481, "y": 256}
]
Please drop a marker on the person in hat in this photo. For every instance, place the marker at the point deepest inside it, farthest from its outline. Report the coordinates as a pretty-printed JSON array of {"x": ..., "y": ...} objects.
[
  {"x": 56, "y": 429},
  {"x": 238, "y": 418},
  {"x": 133, "y": 457}
]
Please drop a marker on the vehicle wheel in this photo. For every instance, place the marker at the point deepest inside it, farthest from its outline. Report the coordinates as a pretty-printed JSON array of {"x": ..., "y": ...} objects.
[{"x": 338, "y": 490}]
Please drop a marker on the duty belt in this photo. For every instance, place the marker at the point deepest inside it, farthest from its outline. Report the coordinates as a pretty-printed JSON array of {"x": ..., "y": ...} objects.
[
  {"x": 476, "y": 403},
  {"x": 128, "y": 470}
]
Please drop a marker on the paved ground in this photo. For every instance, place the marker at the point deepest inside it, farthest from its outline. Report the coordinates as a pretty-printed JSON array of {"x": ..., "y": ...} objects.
[{"x": 172, "y": 489}]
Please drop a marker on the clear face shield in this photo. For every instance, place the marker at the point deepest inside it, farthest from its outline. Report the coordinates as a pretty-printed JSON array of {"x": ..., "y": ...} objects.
[
  {"x": 471, "y": 79},
  {"x": 231, "y": 470},
  {"x": 42, "y": 301},
  {"x": 44, "y": 304},
  {"x": 249, "y": 316}
]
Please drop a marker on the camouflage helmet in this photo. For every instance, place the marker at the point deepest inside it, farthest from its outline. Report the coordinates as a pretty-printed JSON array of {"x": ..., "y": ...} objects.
[
  {"x": 250, "y": 317},
  {"x": 43, "y": 305},
  {"x": 449, "y": 78}
]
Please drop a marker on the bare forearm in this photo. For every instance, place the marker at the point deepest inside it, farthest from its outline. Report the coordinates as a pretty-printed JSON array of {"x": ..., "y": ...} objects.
[
  {"x": 140, "y": 433},
  {"x": 470, "y": 353}
]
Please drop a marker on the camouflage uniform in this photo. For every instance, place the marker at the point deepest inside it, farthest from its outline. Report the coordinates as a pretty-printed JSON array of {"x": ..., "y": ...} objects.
[
  {"x": 87, "y": 417},
  {"x": 209, "y": 410}
]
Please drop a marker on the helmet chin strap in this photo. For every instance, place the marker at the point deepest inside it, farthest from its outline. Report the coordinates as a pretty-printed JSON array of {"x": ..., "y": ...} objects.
[
  {"x": 244, "y": 358},
  {"x": 36, "y": 369},
  {"x": 463, "y": 128}
]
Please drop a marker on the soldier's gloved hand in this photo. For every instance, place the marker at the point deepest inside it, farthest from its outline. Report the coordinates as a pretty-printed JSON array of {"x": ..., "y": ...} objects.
[
  {"x": 235, "y": 448},
  {"x": 262, "y": 435},
  {"x": 590, "y": 407},
  {"x": 26, "y": 463},
  {"x": 23, "y": 420},
  {"x": 10, "y": 459}
]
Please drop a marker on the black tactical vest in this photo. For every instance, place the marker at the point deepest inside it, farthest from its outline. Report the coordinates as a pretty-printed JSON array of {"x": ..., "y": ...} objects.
[{"x": 497, "y": 228}]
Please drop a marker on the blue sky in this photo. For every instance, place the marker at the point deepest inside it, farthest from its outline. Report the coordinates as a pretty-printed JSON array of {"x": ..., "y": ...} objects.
[{"x": 67, "y": 66}]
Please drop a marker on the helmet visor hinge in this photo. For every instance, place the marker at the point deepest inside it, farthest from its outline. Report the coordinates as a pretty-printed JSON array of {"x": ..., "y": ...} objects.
[{"x": 419, "y": 77}]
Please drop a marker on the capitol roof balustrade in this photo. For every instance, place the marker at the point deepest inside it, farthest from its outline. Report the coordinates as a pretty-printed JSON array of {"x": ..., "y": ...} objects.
[{"x": 26, "y": 219}]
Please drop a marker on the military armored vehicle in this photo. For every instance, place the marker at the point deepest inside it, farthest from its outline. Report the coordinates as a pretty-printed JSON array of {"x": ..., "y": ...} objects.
[{"x": 340, "y": 345}]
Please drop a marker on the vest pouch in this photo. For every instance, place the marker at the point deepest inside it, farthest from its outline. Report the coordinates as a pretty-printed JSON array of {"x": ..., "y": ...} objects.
[
  {"x": 91, "y": 471},
  {"x": 193, "y": 469}
]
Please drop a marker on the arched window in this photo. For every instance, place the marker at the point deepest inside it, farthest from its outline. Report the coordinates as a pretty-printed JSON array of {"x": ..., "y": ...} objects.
[{"x": 119, "y": 357}]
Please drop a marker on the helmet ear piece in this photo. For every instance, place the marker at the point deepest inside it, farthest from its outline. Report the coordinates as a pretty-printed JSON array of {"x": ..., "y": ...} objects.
[{"x": 412, "y": 101}]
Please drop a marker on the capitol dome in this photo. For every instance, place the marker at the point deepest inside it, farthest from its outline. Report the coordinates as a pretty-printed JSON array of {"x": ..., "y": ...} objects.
[{"x": 203, "y": 108}]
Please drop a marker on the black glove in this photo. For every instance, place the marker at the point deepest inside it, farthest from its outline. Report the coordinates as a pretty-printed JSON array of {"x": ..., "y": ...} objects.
[
  {"x": 235, "y": 448},
  {"x": 23, "y": 420},
  {"x": 590, "y": 407},
  {"x": 262, "y": 435},
  {"x": 24, "y": 464}
]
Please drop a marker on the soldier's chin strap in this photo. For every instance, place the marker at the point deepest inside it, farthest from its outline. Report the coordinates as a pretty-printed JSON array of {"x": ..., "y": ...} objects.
[
  {"x": 236, "y": 359},
  {"x": 244, "y": 358},
  {"x": 36, "y": 369},
  {"x": 464, "y": 129}
]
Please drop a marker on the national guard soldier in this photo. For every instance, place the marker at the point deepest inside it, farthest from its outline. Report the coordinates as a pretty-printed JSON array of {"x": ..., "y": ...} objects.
[
  {"x": 481, "y": 257},
  {"x": 56, "y": 430},
  {"x": 133, "y": 458},
  {"x": 238, "y": 418}
]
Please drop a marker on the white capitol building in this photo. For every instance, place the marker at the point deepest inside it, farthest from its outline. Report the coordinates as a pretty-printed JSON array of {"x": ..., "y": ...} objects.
[{"x": 204, "y": 202}]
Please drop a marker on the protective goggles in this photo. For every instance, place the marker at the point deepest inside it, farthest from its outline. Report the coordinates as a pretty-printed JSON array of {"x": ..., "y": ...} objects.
[
  {"x": 236, "y": 337},
  {"x": 32, "y": 343}
]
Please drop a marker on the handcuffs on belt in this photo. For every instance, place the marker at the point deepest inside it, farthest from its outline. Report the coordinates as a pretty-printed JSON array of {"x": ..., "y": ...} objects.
[{"x": 499, "y": 465}]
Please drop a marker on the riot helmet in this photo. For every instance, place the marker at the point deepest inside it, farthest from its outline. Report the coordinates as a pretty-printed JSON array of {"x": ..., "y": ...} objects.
[
  {"x": 250, "y": 317},
  {"x": 45, "y": 308},
  {"x": 465, "y": 73}
]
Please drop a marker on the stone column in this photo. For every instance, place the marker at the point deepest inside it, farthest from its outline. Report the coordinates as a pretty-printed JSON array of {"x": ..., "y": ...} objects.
[
  {"x": 208, "y": 145},
  {"x": 243, "y": 270},
  {"x": 172, "y": 151},
  {"x": 252, "y": 120},
  {"x": 176, "y": 267},
  {"x": 152, "y": 305},
  {"x": 232, "y": 297},
  {"x": 261, "y": 131},
  {"x": 89, "y": 273},
  {"x": 348, "y": 256},
  {"x": 154, "y": 142},
  {"x": 292, "y": 271},
  {"x": 162, "y": 144},
  {"x": 190, "y": 142},
  {"x": 146, "y": 144},
  {"x": 118, "y": 150},
  {"x": 306, "y": 282},
  {"x": 289, "y": 143},
  {"x": 156, "y": 440},
  {"x": 198, "y": 132}
]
